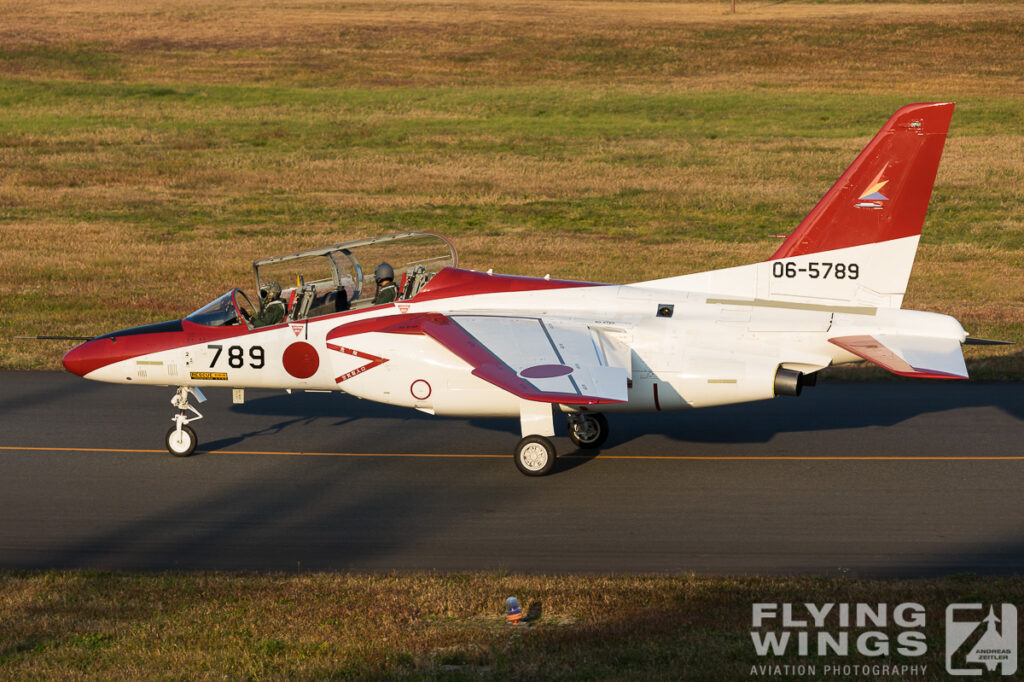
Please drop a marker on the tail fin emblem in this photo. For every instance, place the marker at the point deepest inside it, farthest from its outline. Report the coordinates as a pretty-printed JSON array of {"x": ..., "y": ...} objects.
[{"x": 873, "y": 196}]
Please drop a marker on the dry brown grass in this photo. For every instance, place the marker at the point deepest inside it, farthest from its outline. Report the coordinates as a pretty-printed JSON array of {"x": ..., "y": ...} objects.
[
  {"x": 435, "y": 42},
  {"x": 74, "y": 625},
  {"x": 111, "y": 176},
  {"x": 143, "y": 279}
]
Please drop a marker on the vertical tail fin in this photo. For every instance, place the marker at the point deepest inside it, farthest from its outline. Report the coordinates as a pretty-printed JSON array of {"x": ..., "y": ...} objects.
[
  {"x": 884, "y": 194},
  {"x": 857, "y": 246}
]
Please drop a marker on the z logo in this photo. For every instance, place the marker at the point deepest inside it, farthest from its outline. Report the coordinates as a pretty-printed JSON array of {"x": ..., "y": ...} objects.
[{"x": 974, "y": 640}]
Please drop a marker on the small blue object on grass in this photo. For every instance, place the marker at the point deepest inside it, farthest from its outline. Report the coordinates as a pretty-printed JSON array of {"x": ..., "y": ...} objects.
[{"x": 513, "y": 612}]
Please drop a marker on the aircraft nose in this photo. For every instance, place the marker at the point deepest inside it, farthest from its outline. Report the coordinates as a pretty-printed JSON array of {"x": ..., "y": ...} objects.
[
  {"x": 110, "y": 349},
  {"x": 74, "y": 359},
  {"x": 85, "y": 357}
]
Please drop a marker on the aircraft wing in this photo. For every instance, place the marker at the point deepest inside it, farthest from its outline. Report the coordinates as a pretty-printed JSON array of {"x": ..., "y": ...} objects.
[
  {"x": 924, "y": 357},
  {"x": 531, "y": 357}
]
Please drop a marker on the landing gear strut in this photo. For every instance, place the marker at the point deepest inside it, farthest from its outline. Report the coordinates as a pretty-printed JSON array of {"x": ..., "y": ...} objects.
[
  {"x": 535, "y": 455},
  {"x": 587, "y": 430},
  {"x": 181, "y": 439}
]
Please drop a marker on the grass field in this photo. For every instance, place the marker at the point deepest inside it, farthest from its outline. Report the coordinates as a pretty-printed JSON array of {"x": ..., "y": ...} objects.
[
  {"x": 148, "y": 155},
  {"x": 79, "y": 625}
]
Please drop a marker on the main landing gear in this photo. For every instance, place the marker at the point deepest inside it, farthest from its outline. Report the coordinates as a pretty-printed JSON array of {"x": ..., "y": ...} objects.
[
  {"x": 181, "y": 439},
  {"x": 587, "y": 430},
  {"x": 535, "y": 455}
]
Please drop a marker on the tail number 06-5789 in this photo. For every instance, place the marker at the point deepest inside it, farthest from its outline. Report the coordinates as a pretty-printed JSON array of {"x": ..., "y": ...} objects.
[
  {"x": 236, "y": 356},
  {"x": 816, "y": 270}
]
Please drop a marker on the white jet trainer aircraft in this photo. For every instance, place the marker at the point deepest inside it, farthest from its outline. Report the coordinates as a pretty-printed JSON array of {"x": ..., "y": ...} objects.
[{"x": 456, "y": 342}]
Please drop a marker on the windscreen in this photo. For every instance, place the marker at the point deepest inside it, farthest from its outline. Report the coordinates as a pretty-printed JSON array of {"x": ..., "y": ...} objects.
[{"x": 219, "y": 313}]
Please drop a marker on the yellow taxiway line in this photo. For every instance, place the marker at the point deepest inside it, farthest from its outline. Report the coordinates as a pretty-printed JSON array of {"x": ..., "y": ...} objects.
[{"x": 713, "y": 458}]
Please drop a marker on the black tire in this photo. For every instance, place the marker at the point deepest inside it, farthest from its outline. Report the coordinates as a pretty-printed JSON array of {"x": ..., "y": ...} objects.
[
  {"x": 535, "y": 456},
  {"x": 594, "y": 431},
  {"x": 187, "y": 444}
]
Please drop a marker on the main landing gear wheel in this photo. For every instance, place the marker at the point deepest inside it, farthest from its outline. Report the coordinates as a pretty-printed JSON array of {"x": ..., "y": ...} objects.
[
  {"x": 181, "y": 439},
  {"x": 588, "y": 430},
  {"x": 181, "y": 443},
  {"x": 535, "y": 455}
]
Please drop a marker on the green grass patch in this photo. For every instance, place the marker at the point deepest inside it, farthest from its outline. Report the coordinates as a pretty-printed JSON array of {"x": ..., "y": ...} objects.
[{"x": 214, "y": 139}]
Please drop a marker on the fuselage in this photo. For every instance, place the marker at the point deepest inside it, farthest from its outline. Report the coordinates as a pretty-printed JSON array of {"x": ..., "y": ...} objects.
[{"x": 681, "y": 349}]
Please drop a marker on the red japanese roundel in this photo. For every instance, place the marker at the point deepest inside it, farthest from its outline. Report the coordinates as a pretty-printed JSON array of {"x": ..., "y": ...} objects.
[{"x": 301, "y": 360}]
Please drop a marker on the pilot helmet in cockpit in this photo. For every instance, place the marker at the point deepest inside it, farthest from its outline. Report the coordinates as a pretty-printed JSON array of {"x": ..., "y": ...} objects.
[
  {"x": 384, "y": 271},
  {"x": 270, "y": 291}
]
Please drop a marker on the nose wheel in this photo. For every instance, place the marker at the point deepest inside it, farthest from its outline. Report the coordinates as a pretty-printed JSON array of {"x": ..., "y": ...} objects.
[
  {"x": 181, "y": 439},
  {"x": 588, "y": 430},
  {"x": 181, "y": 442}
]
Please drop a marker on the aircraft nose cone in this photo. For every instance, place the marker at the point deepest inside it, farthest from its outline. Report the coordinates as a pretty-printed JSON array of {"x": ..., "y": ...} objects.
[
  {"x": 88, "y": 356},
  {"x": 74, "y": 360}
]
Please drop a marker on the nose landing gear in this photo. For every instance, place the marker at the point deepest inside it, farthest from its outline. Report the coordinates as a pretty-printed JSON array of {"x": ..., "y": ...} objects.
[{"x": 181, "y": 439}]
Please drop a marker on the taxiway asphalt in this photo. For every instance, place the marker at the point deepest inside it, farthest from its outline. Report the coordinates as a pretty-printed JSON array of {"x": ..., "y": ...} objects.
[{"x": 896, "y": 479}]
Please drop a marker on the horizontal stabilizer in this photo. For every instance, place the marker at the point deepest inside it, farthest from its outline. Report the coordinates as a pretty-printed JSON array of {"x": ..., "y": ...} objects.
[{"x": 924, "y": 357}]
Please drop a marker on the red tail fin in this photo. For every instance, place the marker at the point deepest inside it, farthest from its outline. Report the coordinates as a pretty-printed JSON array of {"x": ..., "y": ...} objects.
[{"x": 884, "y": 194}]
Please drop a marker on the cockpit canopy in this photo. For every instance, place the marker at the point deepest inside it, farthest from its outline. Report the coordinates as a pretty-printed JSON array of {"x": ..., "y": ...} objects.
[
  {"x": 336, "y": 278},
  {"x": 348, "y": 267}
]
